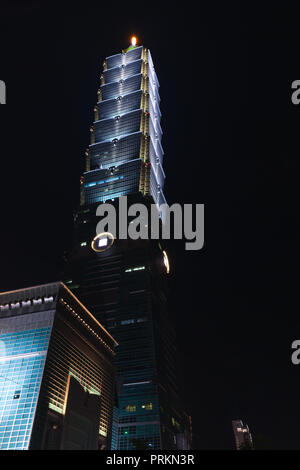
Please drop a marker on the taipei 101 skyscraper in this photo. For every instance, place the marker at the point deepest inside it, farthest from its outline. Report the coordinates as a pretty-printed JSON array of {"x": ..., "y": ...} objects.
[{"x": 123, "y": 282}]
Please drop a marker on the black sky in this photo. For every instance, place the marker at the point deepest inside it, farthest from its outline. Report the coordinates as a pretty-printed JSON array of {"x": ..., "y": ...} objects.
[{"x": 231, "y": 141}]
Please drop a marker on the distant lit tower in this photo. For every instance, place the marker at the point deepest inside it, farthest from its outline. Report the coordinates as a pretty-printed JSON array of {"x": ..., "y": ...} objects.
[
  {"x": 243, "y": 438},
  {"x": 124, "y": 282}
]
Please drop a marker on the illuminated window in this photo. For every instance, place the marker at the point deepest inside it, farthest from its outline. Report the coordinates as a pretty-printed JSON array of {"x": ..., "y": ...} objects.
[
  {"x": 102, "y": 242},
  {"x": 138, "y": 268},
  {"x": 126, "y": 322},
  {"x": 147, "y": 406},
  {"x": 166, "y": 262}
]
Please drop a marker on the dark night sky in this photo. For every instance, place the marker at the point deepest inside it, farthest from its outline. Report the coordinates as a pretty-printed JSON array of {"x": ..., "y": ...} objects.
[{"x": 231, "y": 141}]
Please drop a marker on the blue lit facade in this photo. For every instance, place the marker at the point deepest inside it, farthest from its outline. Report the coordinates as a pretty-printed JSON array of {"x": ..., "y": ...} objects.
[{"x": 21, "y": 371}]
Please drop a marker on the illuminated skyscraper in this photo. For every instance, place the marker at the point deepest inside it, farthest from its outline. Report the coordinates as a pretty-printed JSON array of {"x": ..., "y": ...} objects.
[
  {"x": 124, "y": 282},
  {"x": 125, "y": 156},
  {"x": 56, "y": 372},
  {"x": 242, "y": 435}
]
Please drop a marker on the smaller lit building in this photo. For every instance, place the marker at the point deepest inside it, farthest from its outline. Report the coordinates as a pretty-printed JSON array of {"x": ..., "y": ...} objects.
[
  {"x": 56, "y": 372},
  {"x": 243, "y": 438}
]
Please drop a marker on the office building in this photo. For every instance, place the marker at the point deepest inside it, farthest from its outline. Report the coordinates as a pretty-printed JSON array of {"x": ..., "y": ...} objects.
[{"x": 56, "y": 372}]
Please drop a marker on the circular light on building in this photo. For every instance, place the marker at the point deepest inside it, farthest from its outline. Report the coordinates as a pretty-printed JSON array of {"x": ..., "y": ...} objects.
[
  {"x": 133, "y": 41},
  {"x": 102, "y": 242},
  {"x": 166, "y": 262}
]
